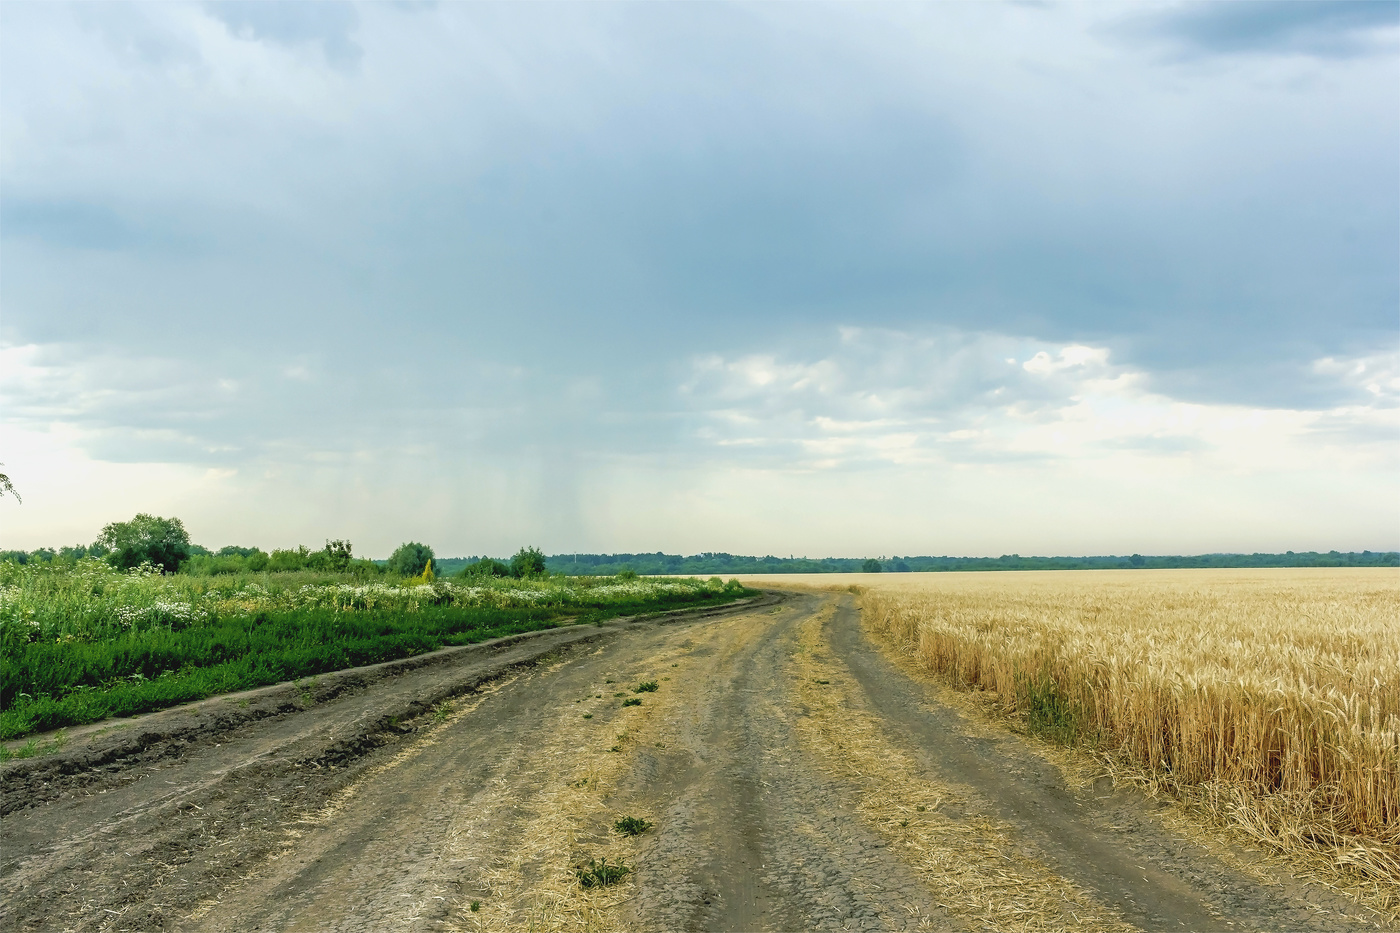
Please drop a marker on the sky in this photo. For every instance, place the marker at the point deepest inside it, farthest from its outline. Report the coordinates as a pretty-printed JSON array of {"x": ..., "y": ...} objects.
[{"x": 813, "y": 279}]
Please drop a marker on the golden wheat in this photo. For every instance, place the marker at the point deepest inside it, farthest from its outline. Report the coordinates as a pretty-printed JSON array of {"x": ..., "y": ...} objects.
[{"x": 1272, "y": 695}]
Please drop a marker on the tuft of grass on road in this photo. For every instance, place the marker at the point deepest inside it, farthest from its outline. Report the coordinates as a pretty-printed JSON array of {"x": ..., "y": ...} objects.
[
  {"x": 598, "y": 873},
  {"x": 631, "y": 826}
]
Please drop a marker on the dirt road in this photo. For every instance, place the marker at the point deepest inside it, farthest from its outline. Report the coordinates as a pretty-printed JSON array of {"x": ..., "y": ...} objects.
[{"x": 797, "y": 778}]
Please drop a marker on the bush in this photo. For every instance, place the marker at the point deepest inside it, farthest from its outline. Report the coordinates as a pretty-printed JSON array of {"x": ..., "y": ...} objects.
[
  {"x": 486, "y": 567},
  {"x": 410, "y": 559},
  {"x": 871, "y": 566},
  {"x": 286, "y": 561},
  {"x": 217, "y": 564},
  {"x": 527, "y": 562},
  {"x": 338, "y": 555},
  {"x": 162, "y": 542}
]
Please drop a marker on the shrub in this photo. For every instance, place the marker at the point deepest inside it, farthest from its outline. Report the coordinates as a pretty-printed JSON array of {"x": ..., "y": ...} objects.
[
  {"x": 161, "y": 542},
  {"x": 338, "y": 555},
  {"x": 486, "y": 567},
  {"x": 527, "y": 562},
  {"x": 410, "y": 559},
  {"x": 285, "y": 561}
]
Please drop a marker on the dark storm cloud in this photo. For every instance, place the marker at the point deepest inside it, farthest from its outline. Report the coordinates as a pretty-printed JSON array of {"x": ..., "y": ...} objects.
[
  {"x": 591, "y": 195},
  {"x": 1325, "y": 28}
]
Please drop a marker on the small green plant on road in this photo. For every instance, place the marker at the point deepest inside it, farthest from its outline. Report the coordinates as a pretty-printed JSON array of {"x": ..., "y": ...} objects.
[
  {"x": 598, "y": 873},
  {"x": 632, "y": 826},
  {"x": 33, "y": 747}
]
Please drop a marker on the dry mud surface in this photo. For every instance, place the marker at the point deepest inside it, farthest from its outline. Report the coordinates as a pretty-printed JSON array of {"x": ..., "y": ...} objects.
[{"x": 797, "y": 777}]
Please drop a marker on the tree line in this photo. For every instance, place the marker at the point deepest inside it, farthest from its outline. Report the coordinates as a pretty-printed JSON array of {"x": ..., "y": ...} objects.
[
  {"x": 164, "y": 544},
  {"x": 709, "y": 563}
]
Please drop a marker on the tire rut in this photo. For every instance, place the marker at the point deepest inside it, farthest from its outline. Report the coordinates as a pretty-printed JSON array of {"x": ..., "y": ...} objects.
[
  {"x": 342, "y": 817},
  {"x": 1109, "y": 844},
  {"x": 753, "y": 834}
]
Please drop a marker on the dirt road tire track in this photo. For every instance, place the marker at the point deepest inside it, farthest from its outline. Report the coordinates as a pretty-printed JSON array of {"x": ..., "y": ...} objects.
[{"x": 349, "y": 814}]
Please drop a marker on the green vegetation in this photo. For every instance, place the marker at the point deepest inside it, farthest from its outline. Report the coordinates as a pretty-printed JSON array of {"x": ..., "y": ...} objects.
[
  {"x": 164, "y": 543},
  {"x": 633, "y": 701},
  {"x": 716, "y": 562},
  {"x": 146, "y": 539},
  {"x": 7, "y": 486},
  {"x": 646, "y": 686},
  {"x": 33, "y": 747},
  {"x": 598, "y": 873},
  {"x": 81, "y": 641},
  {"x": 486, "y": 567},
  {"x": 632, "y": 826},
  {"x": 527, "y": 562},
  {"x": 411, "y": 559}
]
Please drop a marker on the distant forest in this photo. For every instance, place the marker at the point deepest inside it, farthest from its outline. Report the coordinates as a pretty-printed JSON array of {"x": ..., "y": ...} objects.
[
  {"x": 711, "y": 563},
  {"x": 410, "y": 558}
]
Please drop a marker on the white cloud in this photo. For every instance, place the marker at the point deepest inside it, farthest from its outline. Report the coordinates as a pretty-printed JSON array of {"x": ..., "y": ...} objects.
[
  {"x": 959, "y": 398},
  {"x": 881, "y": 441}
]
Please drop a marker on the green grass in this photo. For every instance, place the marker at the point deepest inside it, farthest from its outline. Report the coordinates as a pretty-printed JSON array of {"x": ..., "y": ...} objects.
[
  {"x": 598, "y": 873},
  {"x": 1049, "y": 713},
  {"x": 97, "y": 644},
  {"x": 631, "y": 826},
  {"x": 33, "y": 747}
]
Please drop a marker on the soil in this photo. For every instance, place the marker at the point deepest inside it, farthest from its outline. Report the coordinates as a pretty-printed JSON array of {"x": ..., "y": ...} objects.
[{"x": 796, "y": 777}]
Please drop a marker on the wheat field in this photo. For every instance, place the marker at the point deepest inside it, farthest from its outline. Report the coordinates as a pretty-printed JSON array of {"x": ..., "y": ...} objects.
[{"x": 1270, "y": 696}]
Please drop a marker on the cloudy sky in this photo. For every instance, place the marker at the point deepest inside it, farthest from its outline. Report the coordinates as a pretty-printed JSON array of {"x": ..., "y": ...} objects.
[{"x": 792, "y": 278}]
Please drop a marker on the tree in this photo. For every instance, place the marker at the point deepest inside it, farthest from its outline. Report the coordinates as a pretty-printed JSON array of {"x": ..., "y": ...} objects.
[
  {"x": 871, "y": 566},
  {"x": 7, "y": 486},
  {"x": 527, "y": 562},
  {"x": 339, "y": 554},
  {"x": 161, "y": 541},
  {"x": 286, "y": 560},
  {"x": 410, "y": 559},
  {"x": 486, "y": 567}
]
